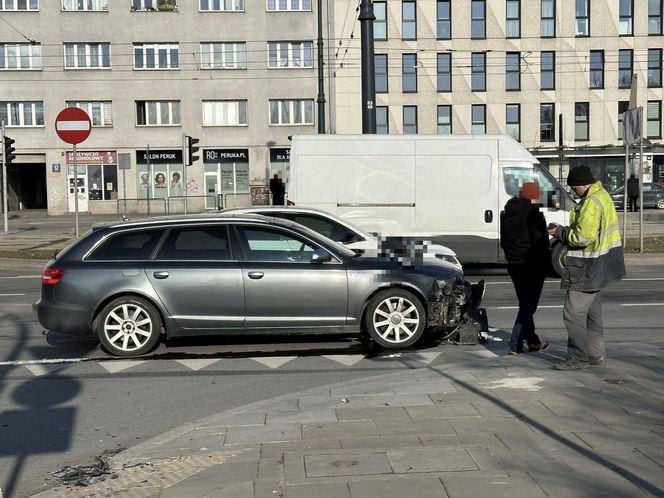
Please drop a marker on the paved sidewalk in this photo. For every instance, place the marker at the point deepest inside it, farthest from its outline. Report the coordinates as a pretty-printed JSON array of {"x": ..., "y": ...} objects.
[{"x": 487, "y": 425}]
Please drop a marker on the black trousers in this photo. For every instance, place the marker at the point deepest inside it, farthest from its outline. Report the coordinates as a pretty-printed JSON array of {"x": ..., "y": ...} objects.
[
  {"x": 528, "y": 287},
  {"x": 631, "y": 205}
]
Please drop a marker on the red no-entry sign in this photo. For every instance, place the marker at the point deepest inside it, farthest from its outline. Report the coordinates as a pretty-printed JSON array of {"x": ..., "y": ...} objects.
[{"x": 73, "y": 125}]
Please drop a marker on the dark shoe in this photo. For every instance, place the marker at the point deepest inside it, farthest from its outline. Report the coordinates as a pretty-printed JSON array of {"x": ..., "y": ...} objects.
[
  {"x": 597, "y": 360},
  {"x": 571, "y": 364},
  {"x": 538, "y": 347}
]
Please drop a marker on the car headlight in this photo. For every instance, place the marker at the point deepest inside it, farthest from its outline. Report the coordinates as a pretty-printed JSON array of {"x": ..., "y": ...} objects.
[{"x": 449, "y": 258}]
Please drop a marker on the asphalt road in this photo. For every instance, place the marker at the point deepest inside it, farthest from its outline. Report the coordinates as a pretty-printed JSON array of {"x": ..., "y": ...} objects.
[{"x": 63, "y": 401}]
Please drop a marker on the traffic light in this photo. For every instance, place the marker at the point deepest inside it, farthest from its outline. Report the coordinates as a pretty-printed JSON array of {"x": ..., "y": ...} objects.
[
  {"x": 192, "y": 150},
  {"x": 9, "y": 151}
]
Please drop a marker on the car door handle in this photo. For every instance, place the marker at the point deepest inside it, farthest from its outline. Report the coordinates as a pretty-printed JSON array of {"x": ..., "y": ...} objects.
[
  {"x": 255, "y": 275},
  {"x": 161, "y": 274}
]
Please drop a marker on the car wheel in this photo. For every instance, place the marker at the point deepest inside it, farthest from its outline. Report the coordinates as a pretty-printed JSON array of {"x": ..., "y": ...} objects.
[
  {"x": 660, "y": 203},
  {"x": 128, "y": 326},
  {"x": 558, "y": 253},
  {"x": 395, "y": 318}
]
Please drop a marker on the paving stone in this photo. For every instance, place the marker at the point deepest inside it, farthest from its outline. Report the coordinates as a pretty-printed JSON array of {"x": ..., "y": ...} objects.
[
  {"x": 317, "y": 490},
  {"x": 361, "y": 388},
  {"x": 431, "y": 459},
  {"x": 565, "y": 406},
  {"x": 338, "y": 430},
  {"x": 654, "y": 452},
  {"x": 463, "y": 375},
  {"x": 608, "y": 438},
  {"x": 552, "y": 423},
  {"x": 518, "y": 485},
  {"x": 488, "y": 441},
  {"x": 426, "y": 388},
  {"x": 532, "y": 408},
  {"x": 538, "y": 441},
  {"x": 414, "y": 427},
  {"x": 488, "y": 425},
  {"x": 263, "y": 434},
  {"x": 301, "y": 416},
  {"x": 209, "y": 488},
  {"x": 450, "y": 410},
  {"x": 380, "y": 443},
  {"x": 346, "y": 464},
  {"x": 398, "y": 487},
  {"x": 239, "y": 419},
  {"x": 635, "y": 466},
  {"x": 313, "y": 402},
  {"x": 458, "y": 397},
  {"x": 199, "y": 439},
  {"x": 278, "y": 449},
  {"x": 379, "y": 413}
]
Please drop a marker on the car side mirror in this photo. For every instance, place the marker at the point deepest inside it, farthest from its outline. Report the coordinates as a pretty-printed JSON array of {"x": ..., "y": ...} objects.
[{"x": 321, "y": 256}]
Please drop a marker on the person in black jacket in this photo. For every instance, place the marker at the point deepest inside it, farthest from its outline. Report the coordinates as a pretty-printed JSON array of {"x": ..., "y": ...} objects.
[
  {"x": 525, "y": 242},
  {"x": 633, "y": 192}
]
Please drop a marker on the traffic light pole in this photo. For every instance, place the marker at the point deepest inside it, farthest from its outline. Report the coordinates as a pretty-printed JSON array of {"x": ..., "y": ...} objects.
[{"x": 4, "y": 180}]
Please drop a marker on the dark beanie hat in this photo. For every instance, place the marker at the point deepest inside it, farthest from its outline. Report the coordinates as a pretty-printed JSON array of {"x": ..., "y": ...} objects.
[{"x": 580, "y": 175}]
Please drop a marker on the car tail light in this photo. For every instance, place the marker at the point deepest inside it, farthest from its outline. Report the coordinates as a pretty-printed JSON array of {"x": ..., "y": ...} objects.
[{"x": 52, "y": 276}]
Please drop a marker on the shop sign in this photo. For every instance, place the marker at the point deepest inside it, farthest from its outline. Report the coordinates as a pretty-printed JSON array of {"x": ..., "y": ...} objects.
[
  {"x": 225, "y": 155},
  {"x": 92, "y": 157},
  {"x": 280, "y": 155},
  {"x": 159, "y": 156}
]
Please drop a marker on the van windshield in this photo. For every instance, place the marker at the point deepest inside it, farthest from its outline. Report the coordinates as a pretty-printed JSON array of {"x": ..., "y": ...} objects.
[{"x": 553, "y": 194}]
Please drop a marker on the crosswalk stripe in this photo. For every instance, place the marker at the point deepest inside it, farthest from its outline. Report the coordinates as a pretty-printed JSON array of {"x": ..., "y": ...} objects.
[
  {"x": 119, "y": 366},
  {"x": 345, "y": 359},
  {"x": 198, "y": 364},
  {"x": 47, "y": 368},
  {"x": 274, "y": 361}
]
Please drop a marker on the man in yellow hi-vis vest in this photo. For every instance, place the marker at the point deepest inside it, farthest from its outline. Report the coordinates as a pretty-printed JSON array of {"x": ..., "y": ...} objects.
[{"x": 594, "y": 259}]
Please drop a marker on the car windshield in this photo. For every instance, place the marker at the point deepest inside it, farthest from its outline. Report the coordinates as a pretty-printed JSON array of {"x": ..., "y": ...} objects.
[{"x": 338, "y": 246}]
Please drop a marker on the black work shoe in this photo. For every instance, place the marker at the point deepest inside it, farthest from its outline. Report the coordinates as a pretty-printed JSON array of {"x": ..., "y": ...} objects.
[
  {"x": 571, "y": 364},
  {"x": 597, "y": 360}
]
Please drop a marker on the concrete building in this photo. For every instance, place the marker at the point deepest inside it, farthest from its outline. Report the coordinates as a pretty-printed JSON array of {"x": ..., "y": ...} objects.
[
  {"x": 520, "y": 67},
  {"x": 239, "y": 75}
]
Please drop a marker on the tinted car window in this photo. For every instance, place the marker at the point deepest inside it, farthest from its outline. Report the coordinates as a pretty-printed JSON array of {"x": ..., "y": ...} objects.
[
  {"x": 208, "y": 243},
  {"x": 262, "y": 244},
  {"x": 135, "y": 245},
  {"x": 329, "y": 228}
]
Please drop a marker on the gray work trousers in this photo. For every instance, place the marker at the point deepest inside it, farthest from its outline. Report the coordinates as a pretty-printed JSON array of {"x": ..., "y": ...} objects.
[{"x": 583, "y": 318}]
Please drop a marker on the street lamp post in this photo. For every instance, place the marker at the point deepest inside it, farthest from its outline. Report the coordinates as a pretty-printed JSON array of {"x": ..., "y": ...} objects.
[
  {"x": 366, "y": 18},
  {"x": 321, "y": 88}
]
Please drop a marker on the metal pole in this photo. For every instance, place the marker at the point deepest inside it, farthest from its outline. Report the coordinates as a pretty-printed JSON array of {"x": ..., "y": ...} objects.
[
  {"x": 124, "y": 189},
  {"x": 641, "y": 195},
  {"x": 184, "y": 170},
  {"x": 625, "y": 193},
  {"x": 367, "y": 18},
  {"x": 150, "y": 180},
  {"x": 321, "y": 87},
  {"x": 4, "y": 180},
  {"x": 75, "y": 188}
]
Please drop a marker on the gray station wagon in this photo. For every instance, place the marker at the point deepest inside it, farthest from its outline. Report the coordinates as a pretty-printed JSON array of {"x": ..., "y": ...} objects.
[{"x": 129, "y": 282}]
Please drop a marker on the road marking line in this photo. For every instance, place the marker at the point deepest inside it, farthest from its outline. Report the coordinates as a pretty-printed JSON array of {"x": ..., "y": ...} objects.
[
  {"x": 7, "y": 295},
  {"x": 21, "y": 276},
  {"x": 274, "y": 361},
  {"x": 345, "y": 359},
  {"x": 44, "y": 361},
  {"x": 38, "y": 370},
  {"x": 198, "y": 364},
  {"x": 516, "y": 307},
  {"x": 642, "y": 304},
  {"x": 119, "y": 366}
]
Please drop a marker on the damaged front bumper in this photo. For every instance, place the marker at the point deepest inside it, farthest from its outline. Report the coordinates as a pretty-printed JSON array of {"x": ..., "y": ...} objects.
[{"x": 455, "y": 302}]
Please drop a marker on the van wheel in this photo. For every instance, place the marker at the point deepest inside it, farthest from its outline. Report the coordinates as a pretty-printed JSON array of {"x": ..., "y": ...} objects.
[
  {"x": 558, "y": 253},
  {"x": 128, "y": 326},
  {"x": 395, "y": 318}
]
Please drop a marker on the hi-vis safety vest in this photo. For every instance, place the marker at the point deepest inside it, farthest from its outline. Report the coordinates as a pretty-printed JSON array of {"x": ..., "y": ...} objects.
[{"x": 595, "y": 254}]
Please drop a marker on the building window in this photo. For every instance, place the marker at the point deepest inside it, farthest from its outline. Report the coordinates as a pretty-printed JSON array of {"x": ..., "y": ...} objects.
[
  {"x": 444, "y": 116},
  {"x": 626, "y": 20},
  {"x": 513, "y": 121},
  {"x": 654, "y": 68},
  {"x": 581, "y": 120},
  {"x": 157, "y": 113},
  {"x": 582, "y": 18},
  {"x": 380, "y": 64},
  {"x": 290, "y": 55},
  {"x": 380, "y": 24},
  {"x": 408, "y": 20},
  {"x": 224, "y": 55},
  {"x": 548, "y": 19},
  {"x": 596, "y": 76},
  {"x": 513, "y": 21},
  {"x": 292, "y": 112},
  {"x": 222, "y": 5},
  {"x": 478, "y": 112},
  {"x": 20, "y": 56},
  {"x": 409, "y": 73},
  {"x": 478, "y": 19},
  {"x": 87, "y": 55},
  {"x": 654, "y": 17},
  {"x": 156, "y": 56},
  {"x": 224, "y": 113},
  {"x": 513, "y": 71},
  {"x": 625, "y": 64},
  {"x": 547, "y": 125},
  {"x": 654, "y": 119},
  {"x": 163, "y": 5},
  {"x": 409, "y": 119},
  {"x": 548, "y": 70},
  {"x": 623, "y": 107},
  {"x": 444, "y": 72},
  {"x": 19, "y": 4},
  {"x": 284, "y": 5},
  {"x": 478, "y": 72},
  {"x": 382, "y": 120},
  {"x": 25, "y": 114},
  {"x": 100, "y": 112},
  {"x": 444, "y": 19},
  {"x": 92, "y": 5}
]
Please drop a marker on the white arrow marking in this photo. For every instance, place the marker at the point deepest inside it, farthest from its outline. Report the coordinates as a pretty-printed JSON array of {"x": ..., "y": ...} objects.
[
  {"x": 118, "y": 366},
  {"x": 275, "y": 361},
  {"x": 344, "y": 359},
  {"x": 197, "y": 364},
  {"x": 72, "y": 125}
]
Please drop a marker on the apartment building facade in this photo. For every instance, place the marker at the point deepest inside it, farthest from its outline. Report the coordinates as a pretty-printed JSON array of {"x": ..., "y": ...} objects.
[
  {"x": 238, "y": 75},
  {"x": 518, "y": 67}
]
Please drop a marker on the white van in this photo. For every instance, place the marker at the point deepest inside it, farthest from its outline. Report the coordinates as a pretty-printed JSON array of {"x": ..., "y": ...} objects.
[{"x": 447, "y": 189}]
